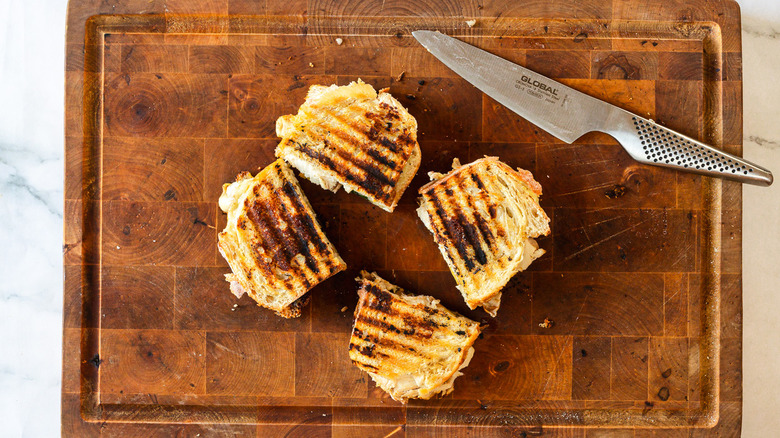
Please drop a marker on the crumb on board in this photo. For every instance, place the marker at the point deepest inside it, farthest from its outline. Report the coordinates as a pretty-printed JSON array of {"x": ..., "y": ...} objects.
[
  {"x": 339, "y": 41},
  {"x": 616, "y": 191},
  {"x": 547, "y": 323},
  {"x": 400, "y": 76},
  {"x": 311, "y": 64},
  {"x": 344, "y": 309},
  {"x": 471, "y": 23}
]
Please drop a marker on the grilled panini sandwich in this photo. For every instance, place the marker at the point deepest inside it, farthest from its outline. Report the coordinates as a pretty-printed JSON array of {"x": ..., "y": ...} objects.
[
  {"x": 272, "y": 241},
  {"x": 484, "y": 216},
  {"x": 351, "y": 136},
  {"x": 412, "y": 346}
]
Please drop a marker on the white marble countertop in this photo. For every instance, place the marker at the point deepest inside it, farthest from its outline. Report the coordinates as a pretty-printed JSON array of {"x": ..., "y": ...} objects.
[{"x": 31, "y": 193}]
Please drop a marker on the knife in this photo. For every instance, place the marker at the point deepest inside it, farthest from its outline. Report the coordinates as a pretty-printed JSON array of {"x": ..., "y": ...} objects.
[{"x": 568, "y": 114}]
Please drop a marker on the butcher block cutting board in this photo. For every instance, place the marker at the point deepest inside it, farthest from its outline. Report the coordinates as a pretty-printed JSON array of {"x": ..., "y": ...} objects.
[{"x": 166, "y": 100}]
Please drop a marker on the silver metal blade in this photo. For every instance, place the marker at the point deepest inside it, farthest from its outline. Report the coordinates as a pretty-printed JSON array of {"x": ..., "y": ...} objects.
[
  {"x": 568, "y": 114},
  {"x": 558, "y": 109}
]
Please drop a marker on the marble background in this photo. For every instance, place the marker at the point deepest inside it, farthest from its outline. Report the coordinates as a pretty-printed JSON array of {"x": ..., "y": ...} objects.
[{"x": 31, "y": 192}]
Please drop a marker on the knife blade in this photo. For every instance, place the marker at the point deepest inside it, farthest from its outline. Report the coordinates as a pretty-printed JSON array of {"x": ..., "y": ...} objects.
[{"x": 568, "y": 114}]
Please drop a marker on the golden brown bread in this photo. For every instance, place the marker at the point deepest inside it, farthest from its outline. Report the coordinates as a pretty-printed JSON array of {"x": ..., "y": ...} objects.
[
  {"x": 412, "y": 346},
  {"x": 272, "y": 241},
  {"x": 484, "y": 216},
  {"x": 351, "y": 136}
]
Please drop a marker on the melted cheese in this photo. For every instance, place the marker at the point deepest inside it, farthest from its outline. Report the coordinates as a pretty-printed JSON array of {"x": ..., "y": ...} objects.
[{"x": 418, "y": 385}]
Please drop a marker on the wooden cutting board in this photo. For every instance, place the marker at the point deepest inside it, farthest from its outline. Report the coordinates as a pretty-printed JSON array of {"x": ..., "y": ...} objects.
[{"x": 166, "y": 100}]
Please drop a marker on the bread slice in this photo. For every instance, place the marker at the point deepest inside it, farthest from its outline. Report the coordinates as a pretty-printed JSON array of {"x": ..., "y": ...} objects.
[
  {"x": 412, "y": 346},
  {"x": 484, "y": 216},
  {"x": 352, "y": 137},
  {"x": 272, "y": 241}
]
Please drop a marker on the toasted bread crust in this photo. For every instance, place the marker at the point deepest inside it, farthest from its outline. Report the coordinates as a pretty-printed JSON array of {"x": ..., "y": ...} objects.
[
  {"x": 412, "y": 346},
  {"x": 351, "y": 136},
  {"x": 272, "y": 241},
  {"x": 484, "y": 216}
]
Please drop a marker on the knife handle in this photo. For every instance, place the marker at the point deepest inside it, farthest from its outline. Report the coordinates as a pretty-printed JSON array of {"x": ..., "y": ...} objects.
[{"x": 650, "y": 143}]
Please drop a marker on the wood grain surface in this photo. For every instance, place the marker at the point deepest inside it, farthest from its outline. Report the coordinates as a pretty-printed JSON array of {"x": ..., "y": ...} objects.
[{"x": 166, "y": 100}]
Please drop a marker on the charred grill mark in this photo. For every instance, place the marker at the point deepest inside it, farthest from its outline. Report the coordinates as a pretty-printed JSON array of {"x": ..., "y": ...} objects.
[
  {"x": 421, "y": 327},
  {"x": 383, "y": 349},
  {"x": 303, "y": 235},
  {"x": 440, "y": 234},
  {"x": 386, "y": 342},
  {"x": 369, "y": 169},
  {"x": 350, "y": 158},
  {"x": 308, "y": 223},
  {"x": 315, "y": 155},
  {"x": 326, "y": 160},
  {"x": 392, "y": 112},
  {"x": 477, "y": 181},
  {"x": 357, "y": 333},
  {"x": 373, "y": 172},
  {"x": 453, "y": 231},
  {"x": 470, "y": 233},
  {"x": 378, "y": 175},
  {"x": 382, "y": 301},
  {"x": 285, "y": 247},
  {"x": 342, "y": 135},
  {"x": 371, "y": 134},
  {"x": 365, "y": 365},
  {"x": 265, "y": 227},
  {"x": 402, "y": 145},
  {"x": 387, "y": 161},
  {"x": 371, "y": 179},
  {"x": 377, "y": 125},
  {"x": 373, "y": 116},
  {"x": 357, "y": 135},
  {"x": 302, "y": 219},
  {"x": 406, "y": 140},
  {"x": 390, "y": 144},
  {"x": 368, "y": 351},
  {"x": 482, "y": 225}
]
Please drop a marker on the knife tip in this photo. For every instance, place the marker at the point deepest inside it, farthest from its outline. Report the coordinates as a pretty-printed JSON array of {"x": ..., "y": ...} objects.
[{"x": 425, "y": 37}]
